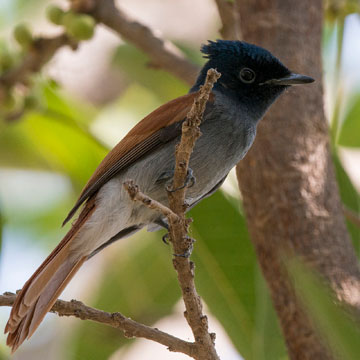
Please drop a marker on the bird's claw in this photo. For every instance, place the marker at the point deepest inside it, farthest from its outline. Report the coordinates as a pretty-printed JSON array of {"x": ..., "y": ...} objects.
[
  {"x": 189, "y": 250},
  {"x": 165, "y": 238},
  {"x": 189, "y": 181},
  {"x": 186, "y": 254}
]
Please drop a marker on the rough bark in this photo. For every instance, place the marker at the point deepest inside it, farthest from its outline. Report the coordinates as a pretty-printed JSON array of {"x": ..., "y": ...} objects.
[{"x": 287, "y": 180}]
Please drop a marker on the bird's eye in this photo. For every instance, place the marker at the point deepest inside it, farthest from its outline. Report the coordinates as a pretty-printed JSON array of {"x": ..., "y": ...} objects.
[{"x": 247, "y": 75}]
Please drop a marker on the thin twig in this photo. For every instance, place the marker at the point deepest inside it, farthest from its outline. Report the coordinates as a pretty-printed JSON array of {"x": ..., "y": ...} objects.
[
  {"x": 182, "y": 244},
  {"x": 137, "y": 195},
  {"x": 190, "y": 133},
  {"x": 230, "y": 20},
  {"x": 39, "y": 53},
  {"x": 130, "y": 327}
]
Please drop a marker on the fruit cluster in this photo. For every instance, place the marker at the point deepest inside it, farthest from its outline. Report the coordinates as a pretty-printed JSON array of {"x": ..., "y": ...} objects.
[{"x": 78, "y": 26}]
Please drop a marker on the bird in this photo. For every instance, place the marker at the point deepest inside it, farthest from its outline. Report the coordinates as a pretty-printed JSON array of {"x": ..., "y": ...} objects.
[{"x": 251, "y": 80}]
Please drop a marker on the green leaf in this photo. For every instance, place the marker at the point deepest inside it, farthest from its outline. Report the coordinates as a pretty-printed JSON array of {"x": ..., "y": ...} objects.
[
  {"x": 64, "y": 148},
  {"x": 350, "y": 198},
  {"x": 16, "y": 149},
  {"x": 139, "y": 282},
  {"x": 1, "y": 228},
  {"x": 56, "y": 137},
  {"x": 350, "y": 129},
  {"x": 333, "y": 323},
  {"x": 135, "y": 65},
  {"x": 229, "y": 280},
  {"x": 42, "y": 226}
]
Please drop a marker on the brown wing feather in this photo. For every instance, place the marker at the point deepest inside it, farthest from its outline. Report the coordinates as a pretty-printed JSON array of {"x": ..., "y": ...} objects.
[{"x": 141, "y": 139}]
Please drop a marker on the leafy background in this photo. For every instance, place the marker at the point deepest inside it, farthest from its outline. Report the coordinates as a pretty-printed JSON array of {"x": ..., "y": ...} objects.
[{"x": 47, "y": 155}]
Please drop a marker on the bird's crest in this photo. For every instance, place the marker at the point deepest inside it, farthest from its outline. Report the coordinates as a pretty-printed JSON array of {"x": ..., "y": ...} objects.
[{"x": 221, "y": 49}]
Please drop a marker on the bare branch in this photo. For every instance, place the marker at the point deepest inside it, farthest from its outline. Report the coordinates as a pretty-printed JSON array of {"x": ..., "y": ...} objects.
[
  {"x": 163, "y": 53},
  {"x": 137, "y": 195},
  {"x": 130, "y": 327},
  {"x": 230, "y": 20},
  {"x": 178, "y": 230},
  {"x": 40, "y": 52}
]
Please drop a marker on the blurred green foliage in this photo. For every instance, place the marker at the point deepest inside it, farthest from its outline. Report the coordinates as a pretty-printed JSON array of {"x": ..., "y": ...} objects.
[
  {"x": 229, "y": 279},
  {"x": 337, "y": 326},
  {"x": 136, "y": 66},
  {"x": 56, "y": 135},
  {"x": 1, "y": 228},
  {"x": 350, "y": 198},
  {"x": 350, "y": 129}
]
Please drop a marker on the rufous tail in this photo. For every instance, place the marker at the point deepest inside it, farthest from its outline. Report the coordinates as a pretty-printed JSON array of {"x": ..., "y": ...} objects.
[{"x": 41, "y": 291}]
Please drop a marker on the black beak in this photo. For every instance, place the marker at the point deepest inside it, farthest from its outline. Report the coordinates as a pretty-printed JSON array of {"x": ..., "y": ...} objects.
[{"x": 291, "y": 79}]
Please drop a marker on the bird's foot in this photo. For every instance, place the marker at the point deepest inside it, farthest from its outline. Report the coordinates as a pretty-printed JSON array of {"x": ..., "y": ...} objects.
[
  {"x": 163, "y": 223},
  {"x": 189, "y": 250},
  {"x": 169, "y": 175},
  {"x": 165, "y": 238},
  {"x": 190, "y": 181}
]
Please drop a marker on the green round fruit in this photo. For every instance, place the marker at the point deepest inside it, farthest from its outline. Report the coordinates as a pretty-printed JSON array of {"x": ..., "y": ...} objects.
[
  {"x": 81, "y": 27},
  {"x": 22, "y": 35},
  {"x": 68, "y": 19},
  {"x": 55, "y": 14}
]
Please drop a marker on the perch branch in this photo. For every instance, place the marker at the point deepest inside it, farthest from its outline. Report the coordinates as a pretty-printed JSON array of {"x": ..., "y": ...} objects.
[
  {"x": 178, "y": 223},
  {"x": 130, "y": 327},
  {"x": 182, "y": 244}
]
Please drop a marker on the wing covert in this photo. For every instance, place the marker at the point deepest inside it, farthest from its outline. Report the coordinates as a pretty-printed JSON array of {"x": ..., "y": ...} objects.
[{"x": 159, "y": 127}]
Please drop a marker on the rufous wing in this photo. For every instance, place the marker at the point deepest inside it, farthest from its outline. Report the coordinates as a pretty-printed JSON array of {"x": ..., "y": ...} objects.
[{"x": 144, "y": 137}]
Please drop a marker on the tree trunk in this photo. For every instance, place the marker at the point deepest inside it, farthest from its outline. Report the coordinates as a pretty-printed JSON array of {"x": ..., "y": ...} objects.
[{"x": 287, "y": 180}]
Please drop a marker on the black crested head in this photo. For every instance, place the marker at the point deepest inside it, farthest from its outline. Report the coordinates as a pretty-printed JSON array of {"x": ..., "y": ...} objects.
[{"x": 249, "y": 73}]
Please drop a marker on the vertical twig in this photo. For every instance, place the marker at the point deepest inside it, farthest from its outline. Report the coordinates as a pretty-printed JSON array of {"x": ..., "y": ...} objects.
[
  {"x": 178, "y": 223},
  {"x": 182, "y": 244}
]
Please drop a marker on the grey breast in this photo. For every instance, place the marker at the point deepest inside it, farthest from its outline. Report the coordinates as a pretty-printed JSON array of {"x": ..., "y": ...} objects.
[{"x": 227, "y": 134}]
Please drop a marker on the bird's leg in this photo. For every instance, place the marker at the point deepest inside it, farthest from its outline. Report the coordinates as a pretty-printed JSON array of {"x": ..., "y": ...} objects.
[
  {"x": 189, "y": 181},
  {"x": 165, "y": 225},
  {"x": 168, "y": 175}
]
